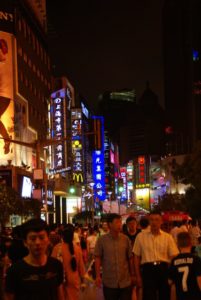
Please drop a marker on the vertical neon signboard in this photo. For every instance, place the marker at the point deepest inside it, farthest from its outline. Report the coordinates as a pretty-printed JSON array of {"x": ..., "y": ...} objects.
[
  {"x": 123, "y": 174},
  {"x": 57, "y": 130},
  {"x": 99, "y": 167},
  {"x": 77, "y": 149},
  {"x": 59, "y": 113}
]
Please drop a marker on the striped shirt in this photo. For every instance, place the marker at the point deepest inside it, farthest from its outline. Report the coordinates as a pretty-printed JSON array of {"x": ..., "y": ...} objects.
[{"x": 152, "y": 248}]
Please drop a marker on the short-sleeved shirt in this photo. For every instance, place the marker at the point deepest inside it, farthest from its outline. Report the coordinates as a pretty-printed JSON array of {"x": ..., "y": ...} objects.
[
  {"x": 28, "y": 282},
  {"x": 183, "y": 271},
  {"x": 152, "y": 248},
  {"x": 115, "y": 254}
]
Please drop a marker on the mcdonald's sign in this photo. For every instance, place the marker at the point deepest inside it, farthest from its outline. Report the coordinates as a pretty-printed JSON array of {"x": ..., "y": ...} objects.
[{"x": 78, "y": 177}]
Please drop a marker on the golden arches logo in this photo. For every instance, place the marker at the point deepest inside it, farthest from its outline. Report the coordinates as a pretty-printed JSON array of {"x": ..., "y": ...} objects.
[{"x": 78, "y": 177}]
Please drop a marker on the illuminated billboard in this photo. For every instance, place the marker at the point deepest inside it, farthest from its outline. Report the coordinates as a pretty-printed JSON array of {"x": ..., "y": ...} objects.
[
  {"x": 7, "y": 15},
  {"x": 99, "y": 168},
  {"x": 141, "y": 171},
  {"x": 142, "y": 198},
  {"x": 123, "y": 175},
  {"x": 6, "y": 96},
  {"x": 77, "y": 145},
  {"x": 60, "y": 112}
]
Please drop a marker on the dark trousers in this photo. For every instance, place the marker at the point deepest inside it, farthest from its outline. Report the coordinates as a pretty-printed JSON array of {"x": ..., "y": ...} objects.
[
  {"x": 155, "y": 282},
  {"x": 117, "y": 293}
]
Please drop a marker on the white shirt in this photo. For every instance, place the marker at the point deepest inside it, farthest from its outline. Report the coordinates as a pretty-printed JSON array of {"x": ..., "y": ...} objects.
[
  {"x": 174, "y": 232},
  {"x": 152, "y": 248}
]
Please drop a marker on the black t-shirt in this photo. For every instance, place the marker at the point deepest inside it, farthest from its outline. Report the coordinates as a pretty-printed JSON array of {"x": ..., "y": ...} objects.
[
  {"x": 184, "y": 270},
  {"x": 83, "y": 243},
  {"x": 28, "y": 282},
  {"x": 132, "y": 237},
  {"x": 17, "y": 250}
]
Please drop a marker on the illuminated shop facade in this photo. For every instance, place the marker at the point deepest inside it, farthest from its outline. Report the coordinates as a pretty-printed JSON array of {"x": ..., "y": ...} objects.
[{"x": 24, "y": 89}]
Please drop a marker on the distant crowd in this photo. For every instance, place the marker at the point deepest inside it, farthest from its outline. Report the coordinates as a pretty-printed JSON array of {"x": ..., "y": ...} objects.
[{"x": 134, "y": 261}]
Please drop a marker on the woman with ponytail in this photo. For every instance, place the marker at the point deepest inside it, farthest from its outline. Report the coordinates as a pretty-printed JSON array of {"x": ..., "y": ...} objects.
[{"x": 71, "y": 256}]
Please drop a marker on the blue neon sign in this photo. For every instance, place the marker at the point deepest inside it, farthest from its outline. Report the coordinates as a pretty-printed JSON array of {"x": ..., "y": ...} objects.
[{"x": 99, "y": 167}]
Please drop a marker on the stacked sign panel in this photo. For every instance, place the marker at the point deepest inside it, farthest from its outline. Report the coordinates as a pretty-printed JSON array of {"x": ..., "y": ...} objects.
[{"x": 99, "y": 167}]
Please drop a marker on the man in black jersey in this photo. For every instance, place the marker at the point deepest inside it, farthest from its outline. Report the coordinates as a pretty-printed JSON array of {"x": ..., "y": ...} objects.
[
  {"x": 36, "y": 276},
  {"x": 185, "y": 271}
]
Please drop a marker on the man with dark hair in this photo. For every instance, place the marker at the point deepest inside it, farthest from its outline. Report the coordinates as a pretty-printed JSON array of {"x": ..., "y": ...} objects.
[
  {"x": 153, "y": 250},
  {"x": 113, "y": 251},
  {"x": 144, "y": 223},
  {"x": 36, "y": 276},
  {"x": 132, "y": 230},
  {"x": 185, "y": 271}
]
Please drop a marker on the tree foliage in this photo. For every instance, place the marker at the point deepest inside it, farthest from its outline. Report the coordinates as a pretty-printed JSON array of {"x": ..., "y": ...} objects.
[
  {"x": 12, "y": 204},
  {"x": 189, "y": 173},
  {"x": 170, "y": 202}
]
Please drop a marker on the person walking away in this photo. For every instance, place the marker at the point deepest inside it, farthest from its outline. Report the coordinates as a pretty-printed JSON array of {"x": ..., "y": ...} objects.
[
  {"x": 71, "y": 256},
  {"x": 36, "y": 276},
  {"x": 91, "y": 242},
  {"x": 144, "y": 223},
  {"x": 113, "y": 252},
  {"x": 185, "y": 271},
  {"x": 83, "y": 245},
  {"x": 153, "y": 250}
]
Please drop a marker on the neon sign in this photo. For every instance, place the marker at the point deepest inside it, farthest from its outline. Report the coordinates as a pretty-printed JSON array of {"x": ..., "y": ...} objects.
[
  {"x": 57, "y": 109},
  {"x": 142, "y": 169},
  {"x": 78, "y": 177},
  {"x": 99, "y": 168},
  {"x": 123, "y": 174},
  {"x": 77, "y": 146}
]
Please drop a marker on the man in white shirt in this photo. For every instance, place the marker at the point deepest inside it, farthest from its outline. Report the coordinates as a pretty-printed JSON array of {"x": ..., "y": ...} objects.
[{"x": 153, "y": 250}]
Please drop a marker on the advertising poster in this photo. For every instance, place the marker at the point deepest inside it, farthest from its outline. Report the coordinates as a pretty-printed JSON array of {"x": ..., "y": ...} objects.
[
  {"x": 142, "y": 198},
  {"x": 6, "y": 96}
]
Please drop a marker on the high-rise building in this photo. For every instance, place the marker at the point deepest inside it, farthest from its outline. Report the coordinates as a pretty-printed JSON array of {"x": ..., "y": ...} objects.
[
  {"x": 25, "y": 72},
  {"x": 182, "y": 50},
  {"x": 136, "y": 127},
  {"x": 25, "y": 85}
]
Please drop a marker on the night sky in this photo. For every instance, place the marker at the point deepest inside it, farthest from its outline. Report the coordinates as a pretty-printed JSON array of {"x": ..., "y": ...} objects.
[{"x": 107, "y": 45}]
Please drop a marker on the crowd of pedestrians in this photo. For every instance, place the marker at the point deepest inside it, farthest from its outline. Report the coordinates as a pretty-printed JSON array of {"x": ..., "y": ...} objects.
[{"x": 136, "y": 261}]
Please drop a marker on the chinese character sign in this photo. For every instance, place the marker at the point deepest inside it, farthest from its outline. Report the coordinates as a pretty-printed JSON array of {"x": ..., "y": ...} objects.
[
  {"x": 77, "y": 145},
  {"x": 58, "y": 131},
  {"x": 99, "y": 169},
  {"x": 123, "y": 175},
  {"x": 142, "y": 170}
]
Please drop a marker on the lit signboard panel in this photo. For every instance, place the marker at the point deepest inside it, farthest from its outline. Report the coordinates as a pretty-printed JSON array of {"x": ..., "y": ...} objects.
[
  {"x": 142, "y": 198},
  {"x": 99, "y": 168},
  {"x": 123, "y": 175},
  {"x": 77, "y": 145},
  {"x": 141, "y": 169},
  {"x": 60, "y": 105},
  {"x": 6, "y": 96}
]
